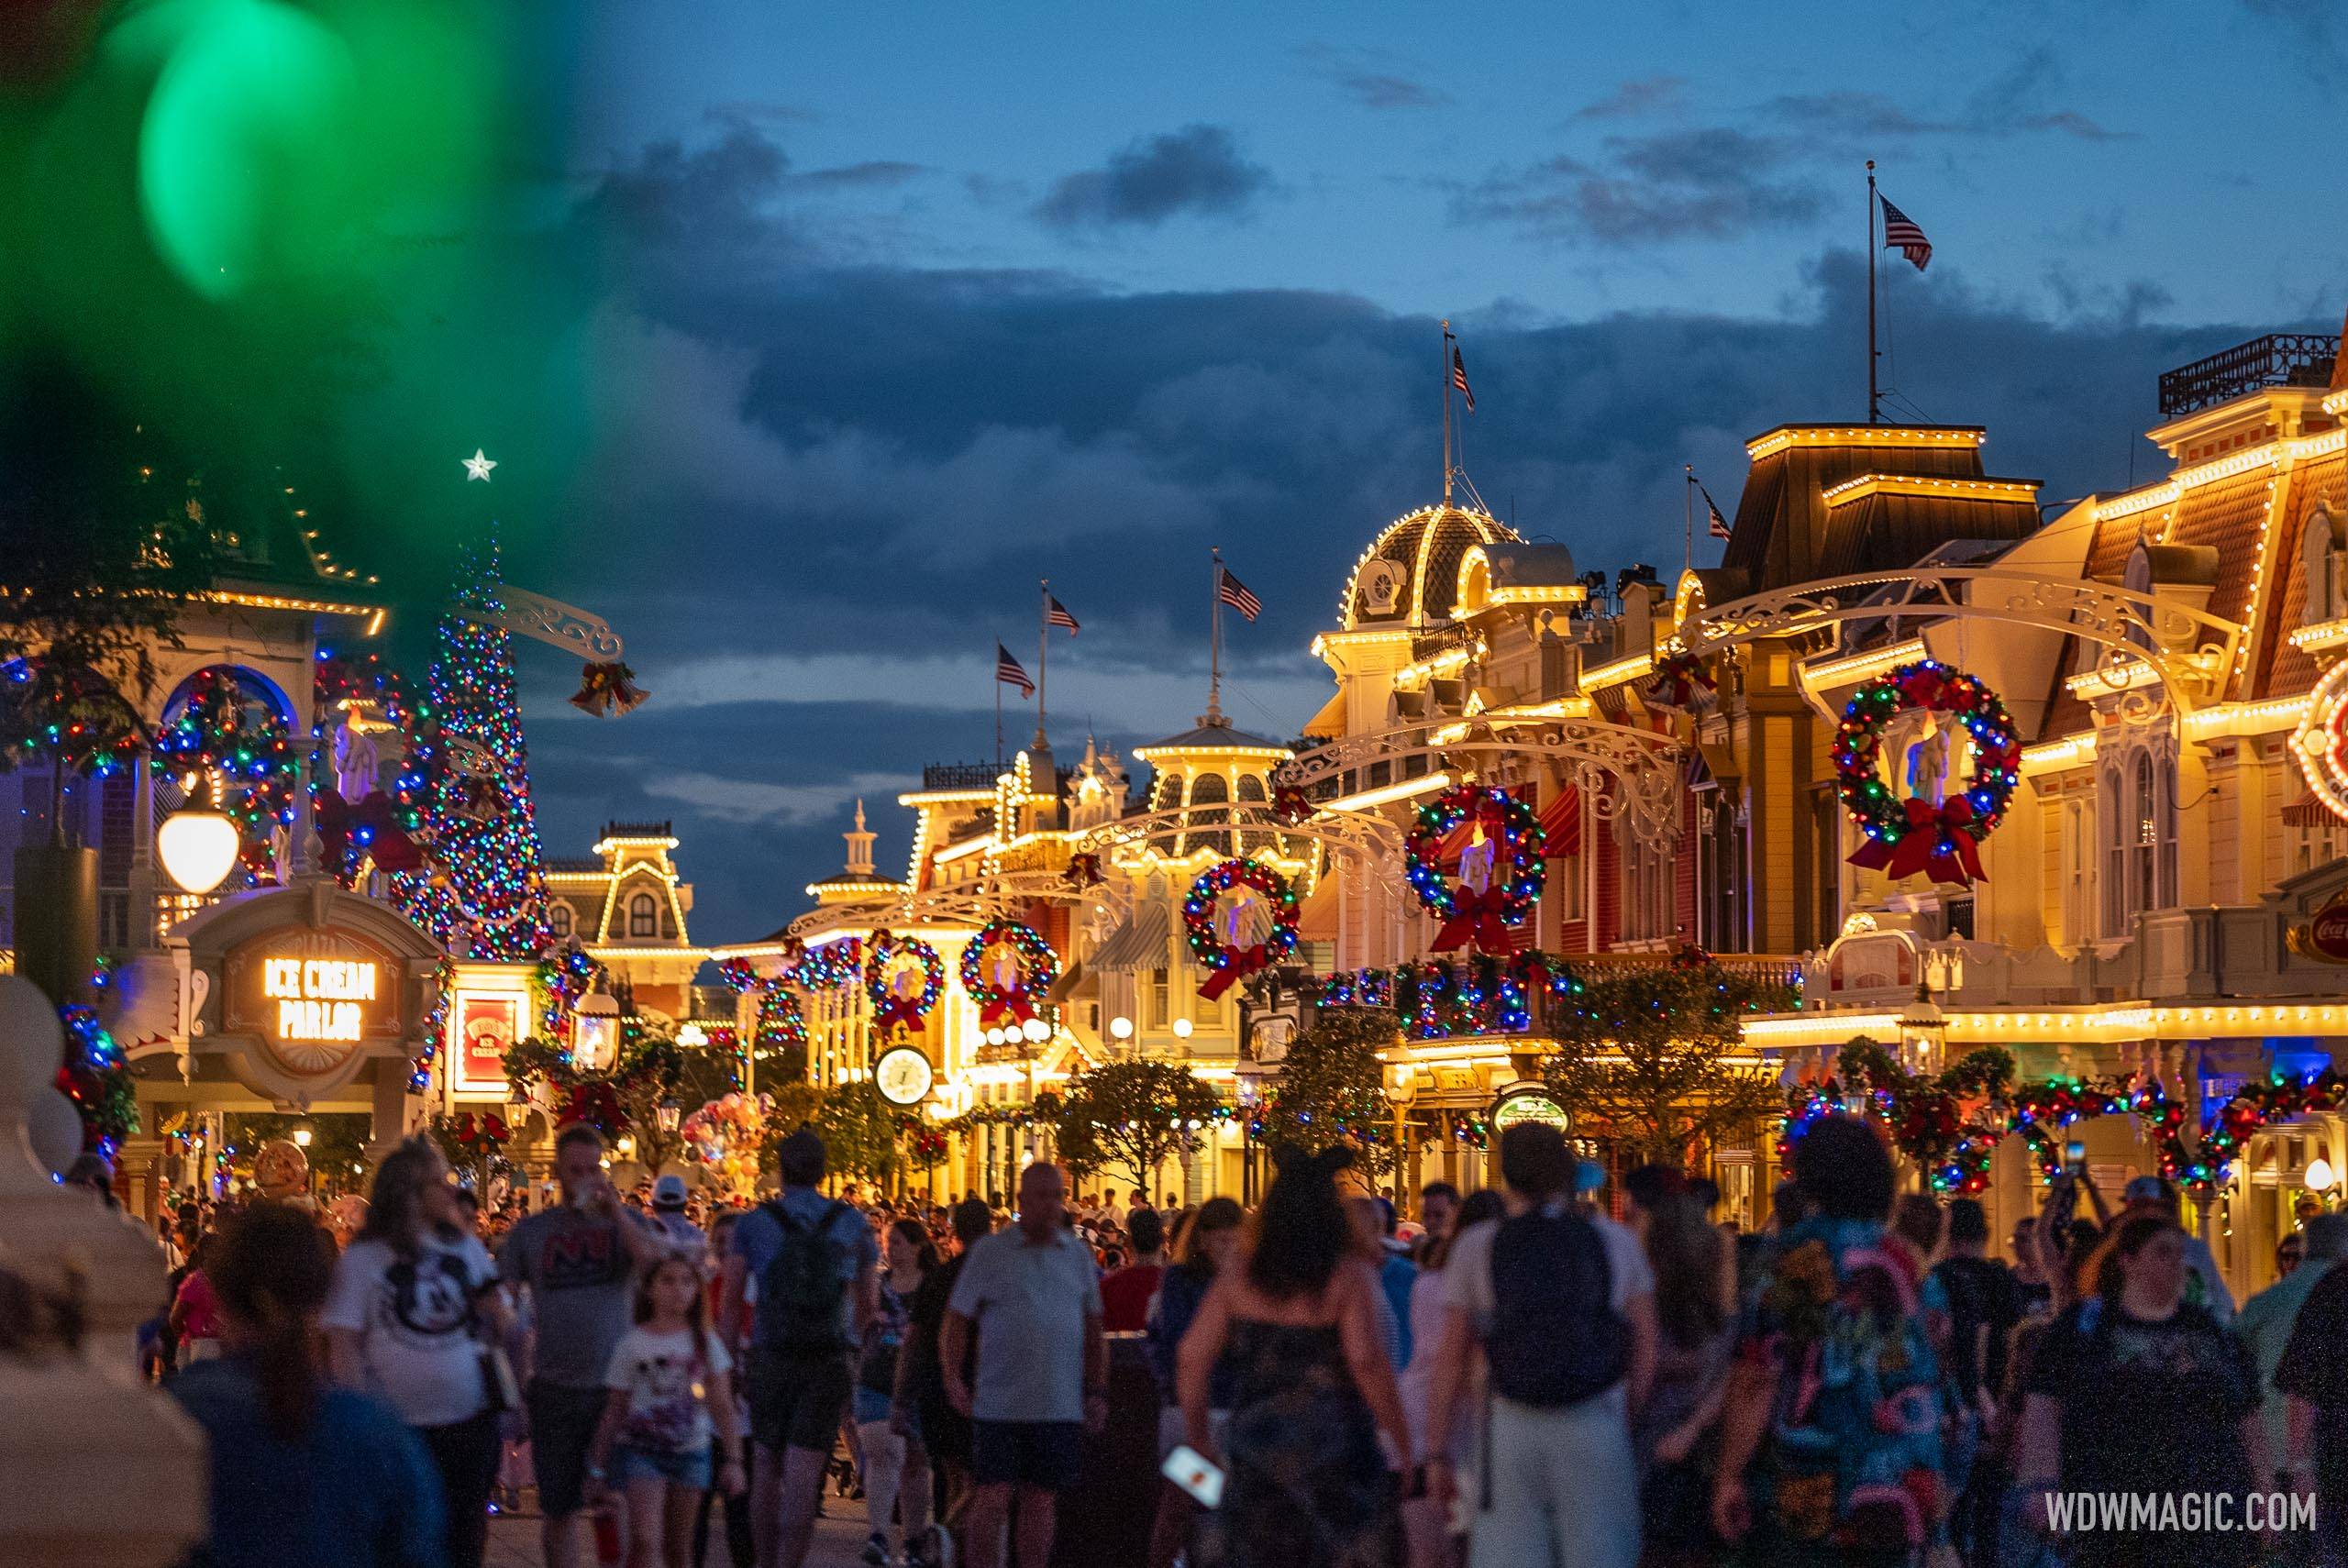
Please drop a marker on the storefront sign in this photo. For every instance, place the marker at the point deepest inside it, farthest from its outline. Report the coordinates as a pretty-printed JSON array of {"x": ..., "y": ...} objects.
[
  {"x": 312, "y": 998},
  {"x": 1528, "y": 1102},
  {"x": 2325, "y": 935},
  {"x": 485, "y": 1024}
]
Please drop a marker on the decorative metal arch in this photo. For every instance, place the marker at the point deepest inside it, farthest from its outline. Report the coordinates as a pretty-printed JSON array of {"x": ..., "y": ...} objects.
[
  {"x": 1626, "y": 774},
  {"x": 1347, "y": 838},
  {"x": 2131, "y": 627}
]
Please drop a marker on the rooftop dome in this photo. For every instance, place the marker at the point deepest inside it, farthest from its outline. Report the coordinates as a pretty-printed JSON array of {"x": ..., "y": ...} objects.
[{"x": 1411, "y": 576}]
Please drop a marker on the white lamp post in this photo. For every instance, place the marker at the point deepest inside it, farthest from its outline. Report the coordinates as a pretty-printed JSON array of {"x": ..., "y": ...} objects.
[
  {"x": 198, "y": 843},
  {"x": 1036, "y": 1031},
  {"x": 1183, "y": 1029},
  {"x": 1121, "y": 1028}
]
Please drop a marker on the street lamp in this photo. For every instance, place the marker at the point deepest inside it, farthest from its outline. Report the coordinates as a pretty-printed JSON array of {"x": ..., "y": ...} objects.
[
  {"x": 301, "y": 1135},
  {"x": 667, "y": 1115},
  {"x": 2321, "y": 1176},
  {"x": 595, "y": 1032},
  {"x": 1121, "y": 1028},
  {"x": 692, "y": 1034},
  {"x": 198, "y": 842},
  {"x": 1036, "y": 1031},
  {"x": 1182, "y": 1027},
  {"x": 1924, "y": 1031}
]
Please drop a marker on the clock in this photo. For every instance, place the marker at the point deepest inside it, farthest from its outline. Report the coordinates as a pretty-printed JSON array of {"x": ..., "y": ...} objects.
[{"x": 903, "y": 1075}]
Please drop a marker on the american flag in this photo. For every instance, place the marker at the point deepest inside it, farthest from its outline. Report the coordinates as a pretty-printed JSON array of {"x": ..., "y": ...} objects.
[
  {"x": 1719, "y": 524},
  {"x": 1238, "y": 595},
  {"x": 1007, "y": 671},
  {"x": 1055, "y": 615},
  {"x": 1460, "y": 377},
  {"x": 1901, "y": 234}
]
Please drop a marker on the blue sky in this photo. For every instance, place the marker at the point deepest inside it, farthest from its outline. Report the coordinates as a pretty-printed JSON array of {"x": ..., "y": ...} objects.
[{"x": 810, "y": 337}]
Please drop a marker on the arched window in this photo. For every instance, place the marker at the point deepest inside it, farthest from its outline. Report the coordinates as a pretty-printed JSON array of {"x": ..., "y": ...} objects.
[
  {"x": 2111, "y": 810},
  {"x": 643, "y": 916},
  {"x": 2143, "y": 847},
  {"x": 559, "y": 918},
  {"x": 1211, "y": 790}
]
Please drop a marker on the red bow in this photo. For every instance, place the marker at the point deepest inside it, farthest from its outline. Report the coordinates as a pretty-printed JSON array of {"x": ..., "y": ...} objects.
[
  {"x": 899, "y": 1012},
  {"x": 1475, "y": 918},
  {"x": 1013, "y": 1006},
  {"x": 1939, "y": 841},
  {"x": 1242, "y": 961}
]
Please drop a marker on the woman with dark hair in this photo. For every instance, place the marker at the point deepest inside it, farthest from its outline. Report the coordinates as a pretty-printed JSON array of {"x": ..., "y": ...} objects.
[
  {"x": 415, "y": 1297},
  {"x": 1205, "y": 1244},
  {"x": 1308, "y": 1484},
  {"x": 896, "y": 1467},
  {"x": 304, "y": 1474},
  {"x": 2136, "y": 1390}
]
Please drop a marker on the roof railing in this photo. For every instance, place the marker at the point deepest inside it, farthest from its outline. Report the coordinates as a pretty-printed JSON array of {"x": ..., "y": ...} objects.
[{"x": 2277, "y": 360}]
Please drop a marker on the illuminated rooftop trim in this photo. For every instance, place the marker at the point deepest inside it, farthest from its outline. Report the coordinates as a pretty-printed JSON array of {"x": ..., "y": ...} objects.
[
  {"x": 1386, "y": 794},
  {"x": 1620, "y": 670},
  {"x": 1785, "y": 436},
  {"x": 1859, "y": 489},
  {"x": 853, "y": 885},
  {"x": 946, "y": 797},
  {"x": 2322, "y": 635},
  {"x": 2095, "y": 1024},
  {"x": 1821, "y": 675}
]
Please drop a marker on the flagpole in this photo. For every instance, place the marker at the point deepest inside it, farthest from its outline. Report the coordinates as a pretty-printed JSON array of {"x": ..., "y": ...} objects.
[
  {"x": 1214, "y": 636},
  {"x": 1043, "y": 655},
  {"x": 1688, "y": 505},
  {"x": 1874, "y": 414},
  {"x": 998, "y": 708},
  {"x": 1446, "y": 412}
]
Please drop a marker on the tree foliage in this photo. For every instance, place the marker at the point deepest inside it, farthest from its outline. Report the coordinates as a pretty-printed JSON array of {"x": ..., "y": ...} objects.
[
  {"x": 628, "y": 1097},
  {"x": 859, "y": 1131},
  {"x": 1637, "y": 1056},
  {"x": 1331, "y": 1087},
  {"x": 1134, "y": 1114}
]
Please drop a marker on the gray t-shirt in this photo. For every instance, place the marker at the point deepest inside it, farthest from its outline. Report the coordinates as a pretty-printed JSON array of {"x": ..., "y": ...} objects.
[
  {"x": 1468, "y": 1274},
  {"x": 759, "y": 1237},
  {"x": 1030, "y": 1301},
  {"x": 580, "y": 1273}
]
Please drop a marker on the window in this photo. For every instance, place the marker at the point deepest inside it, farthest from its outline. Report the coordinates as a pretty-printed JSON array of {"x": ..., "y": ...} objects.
[
  {"x": 559, "y": 918},
  {"x": 1826, "y": 859},
  {"x": 643, "y": 915},
  {"x": 2139, "y": 808},
  {"x": 2078, "y": 869},
  {"x": 2144, "y": 819}
]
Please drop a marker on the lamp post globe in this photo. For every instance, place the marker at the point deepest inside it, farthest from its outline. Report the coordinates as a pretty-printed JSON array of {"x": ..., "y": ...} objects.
[{"x": 198, "y": 845}]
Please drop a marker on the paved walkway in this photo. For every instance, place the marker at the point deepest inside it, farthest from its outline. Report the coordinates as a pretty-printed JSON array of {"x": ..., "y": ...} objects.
[{"x": 839, "y": 1541}]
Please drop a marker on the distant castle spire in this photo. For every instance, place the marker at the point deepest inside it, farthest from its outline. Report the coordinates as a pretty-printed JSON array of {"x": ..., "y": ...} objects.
[{"x": 859, "y": 845}]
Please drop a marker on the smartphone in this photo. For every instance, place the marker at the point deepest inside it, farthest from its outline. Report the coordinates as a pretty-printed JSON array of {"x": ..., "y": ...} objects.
[
  {"x": 1189, "y": 1469},
  {"x": 2075, "y": 1157}
]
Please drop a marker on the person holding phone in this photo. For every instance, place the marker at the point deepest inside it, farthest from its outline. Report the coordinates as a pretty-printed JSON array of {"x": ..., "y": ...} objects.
[
  {"x": 1316, "y": 1429},
  {"x": 578, "y": 1261}
]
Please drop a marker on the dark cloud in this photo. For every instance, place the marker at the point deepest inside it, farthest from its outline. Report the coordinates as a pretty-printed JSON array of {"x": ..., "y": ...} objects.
[
  {"x": 879, "y": 172},
  {"x": 1713, "y": 184},
  {"x": 1644, "y": 95},
  {"x": 2016, "y": 100},
  {"x": 2317, "y": 34},
  {"x": 1373, "y": 78},
  {"x": 1196, "y": 170},
  {"x": 812, "y": 496}
]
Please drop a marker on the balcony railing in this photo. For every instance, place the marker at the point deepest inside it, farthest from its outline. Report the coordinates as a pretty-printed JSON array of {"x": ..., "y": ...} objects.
[{"x": 2280, "y": 358}]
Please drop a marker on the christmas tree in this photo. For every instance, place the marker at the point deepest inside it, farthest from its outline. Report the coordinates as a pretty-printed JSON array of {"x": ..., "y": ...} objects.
[{"x": 486, "y": 897}]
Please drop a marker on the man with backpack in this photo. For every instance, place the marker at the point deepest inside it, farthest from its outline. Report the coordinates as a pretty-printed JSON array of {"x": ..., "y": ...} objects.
[
  {"x": 816, "y": 1268},
  {"x": 1561, "y": 1305}
]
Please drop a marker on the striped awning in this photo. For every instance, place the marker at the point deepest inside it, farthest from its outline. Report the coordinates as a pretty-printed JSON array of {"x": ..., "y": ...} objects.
[
  {"x": 1137, "y": 946},
  {"x": 2307, "y": 812},
  {"x": 1561, "y": 820}
]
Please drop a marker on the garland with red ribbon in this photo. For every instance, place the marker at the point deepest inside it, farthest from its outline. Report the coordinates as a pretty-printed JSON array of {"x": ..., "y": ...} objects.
[
  {"x": 1939, "y": 839},
  {"x": 1472, "y": 917},
  {"x": 1228, "y": 965},
  {"x": 1038, "y": 967},
  {"x": 891, "y": 1011}
]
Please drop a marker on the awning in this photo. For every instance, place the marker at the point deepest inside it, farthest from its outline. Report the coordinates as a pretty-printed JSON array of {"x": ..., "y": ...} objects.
[
  {"x": 1076, "y": 984},
  {"x": 1329, "y": 722},
  {"x": 1561, "y": 820},
  {"x": 1137, "y": 946},
  {"x": 2307, "y": 812}
]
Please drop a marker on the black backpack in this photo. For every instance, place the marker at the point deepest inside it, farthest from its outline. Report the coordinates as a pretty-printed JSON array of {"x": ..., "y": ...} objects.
[
  {"x": 803, "y": 1285},
  {"x": 1555, "y": 1338}
]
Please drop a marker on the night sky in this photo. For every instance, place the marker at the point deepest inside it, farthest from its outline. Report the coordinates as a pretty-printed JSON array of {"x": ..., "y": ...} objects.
[{"x": 808, "y": 338}]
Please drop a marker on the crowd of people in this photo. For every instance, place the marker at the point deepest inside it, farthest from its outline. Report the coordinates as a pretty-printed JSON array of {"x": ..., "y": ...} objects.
[{"x": 1554, "y": 1373}]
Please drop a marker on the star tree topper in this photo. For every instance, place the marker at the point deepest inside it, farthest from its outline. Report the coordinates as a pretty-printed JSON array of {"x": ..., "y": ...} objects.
[{"x": 477, "y": 467}]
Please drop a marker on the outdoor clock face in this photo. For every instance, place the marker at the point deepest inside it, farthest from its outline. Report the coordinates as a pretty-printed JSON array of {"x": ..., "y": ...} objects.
[{"x": 902, "y": 1075}]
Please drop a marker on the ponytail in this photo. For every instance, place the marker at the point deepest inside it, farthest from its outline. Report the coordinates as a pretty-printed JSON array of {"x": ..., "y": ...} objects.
[{"x": 270, "y": 1270}]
